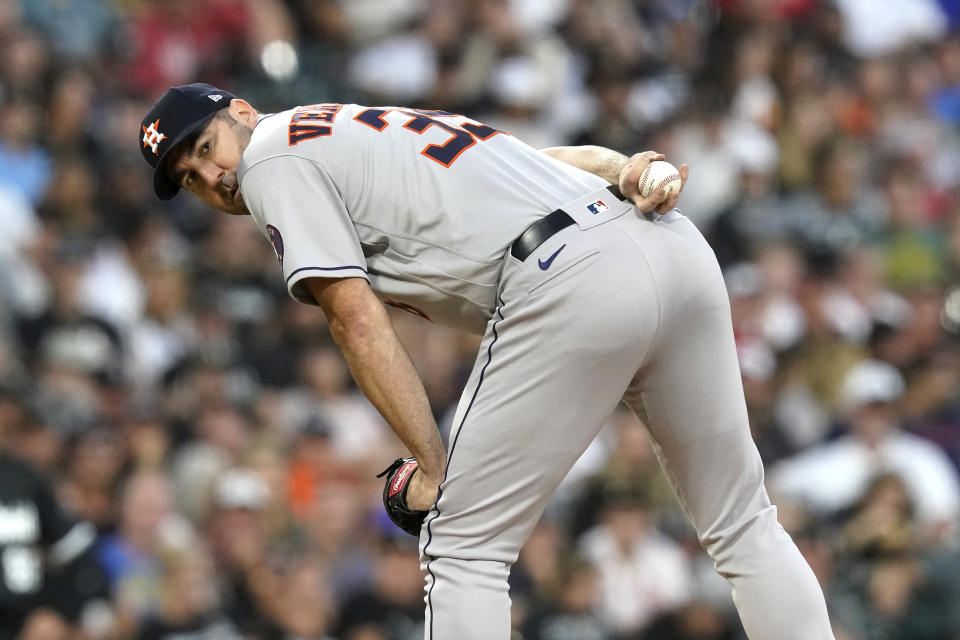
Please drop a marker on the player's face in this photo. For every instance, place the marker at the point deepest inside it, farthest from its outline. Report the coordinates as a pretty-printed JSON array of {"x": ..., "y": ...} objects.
[{"x": 208, "y": 167}]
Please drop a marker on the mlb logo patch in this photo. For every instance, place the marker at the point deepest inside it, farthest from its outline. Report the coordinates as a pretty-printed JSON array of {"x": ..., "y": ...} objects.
[
  {"x": 276, "y": 240},
  {"x": 597, "y": 207}
]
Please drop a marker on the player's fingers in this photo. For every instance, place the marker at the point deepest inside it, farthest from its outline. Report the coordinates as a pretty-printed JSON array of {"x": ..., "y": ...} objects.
[
  {"x": 422, "y": 493},
  {"x": 650, "y": 202},
  {"x": 629, "y": 179},
  {"x": 646, "y": 157},
  {"x": 671, "y": 202}
]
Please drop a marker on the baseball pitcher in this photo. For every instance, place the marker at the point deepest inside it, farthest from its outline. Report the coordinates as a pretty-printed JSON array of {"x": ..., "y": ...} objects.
[{"x": 583, "y": 300}]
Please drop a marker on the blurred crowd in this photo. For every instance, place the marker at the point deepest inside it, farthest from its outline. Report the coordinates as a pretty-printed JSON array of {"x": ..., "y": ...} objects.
[{"x": 155, "y": 374}]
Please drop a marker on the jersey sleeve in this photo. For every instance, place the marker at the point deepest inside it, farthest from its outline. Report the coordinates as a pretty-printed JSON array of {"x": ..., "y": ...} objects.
[
  {"x": 55, "y": 523},
  {"x": 64, "y": 535},
  {"x": 299, "y": 209}
]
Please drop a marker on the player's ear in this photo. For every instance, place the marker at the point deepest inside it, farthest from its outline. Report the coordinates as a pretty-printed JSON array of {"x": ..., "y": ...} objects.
[{"x": 242, "y": 111}]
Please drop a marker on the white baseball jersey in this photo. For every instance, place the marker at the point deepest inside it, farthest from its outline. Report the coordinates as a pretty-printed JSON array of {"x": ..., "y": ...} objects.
[
  {"x": 422, "y": 204},
  {"x": 618, "y": 307}
]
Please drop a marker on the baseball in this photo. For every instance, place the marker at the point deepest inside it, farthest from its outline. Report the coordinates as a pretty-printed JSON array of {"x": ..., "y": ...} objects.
[{"x": 659, "y": 173}]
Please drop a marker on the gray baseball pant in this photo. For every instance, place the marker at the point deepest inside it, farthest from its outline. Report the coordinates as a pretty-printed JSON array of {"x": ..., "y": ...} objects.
[{"x": 632, "y": 309}]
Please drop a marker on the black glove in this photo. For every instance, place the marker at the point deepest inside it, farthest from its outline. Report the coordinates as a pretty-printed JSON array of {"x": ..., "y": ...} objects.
[{"x": 395, "y": 495}]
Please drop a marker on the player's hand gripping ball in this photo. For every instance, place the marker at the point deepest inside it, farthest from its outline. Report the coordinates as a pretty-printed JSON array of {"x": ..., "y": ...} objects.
[
  {"x": 659, "y": 174},
  {"x": 398, "y": 476}
]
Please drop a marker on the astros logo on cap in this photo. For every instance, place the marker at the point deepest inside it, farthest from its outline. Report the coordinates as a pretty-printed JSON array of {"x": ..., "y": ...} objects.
[{"x": 152, "y": 137}]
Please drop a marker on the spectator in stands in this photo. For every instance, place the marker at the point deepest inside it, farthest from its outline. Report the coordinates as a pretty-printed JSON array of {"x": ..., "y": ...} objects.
[
  {"x": 48, "y": 572},
  {"x": 391, "y": 607},
  {"x": 24, "y": 166},
  {"x": 693, "y": 621},
  {"x": 131, "y": 556},
  {"x": 238, "y": 539},
  {"x": 831, "y": 477},
  {"x": 149, "y": 350},
  {"x": 188, "y": 601},
  {"x": 630, "y": 465},
  {"x": 572, "y": 614},
  {"x": 642, "y": 572},
  {"x": 889, "y": 584}
]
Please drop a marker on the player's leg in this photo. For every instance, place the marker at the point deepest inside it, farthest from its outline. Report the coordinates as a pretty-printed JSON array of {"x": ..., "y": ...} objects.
[
  {"x": 552, "y": 367},
  {"x": 691, "y": 397}
]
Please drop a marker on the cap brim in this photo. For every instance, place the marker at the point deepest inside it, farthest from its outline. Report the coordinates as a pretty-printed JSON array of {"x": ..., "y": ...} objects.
[{"x": 163, "y": 185}]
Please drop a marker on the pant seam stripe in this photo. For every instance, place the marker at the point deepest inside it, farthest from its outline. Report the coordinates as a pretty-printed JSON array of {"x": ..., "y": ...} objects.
[{"x": 453, "y": 445}]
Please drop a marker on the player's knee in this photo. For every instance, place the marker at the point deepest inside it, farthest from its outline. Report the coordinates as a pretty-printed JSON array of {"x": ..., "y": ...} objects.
[{"x": 752, "y": 537}]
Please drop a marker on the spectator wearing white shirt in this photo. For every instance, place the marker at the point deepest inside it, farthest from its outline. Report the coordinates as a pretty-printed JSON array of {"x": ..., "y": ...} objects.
[
  {"x": 833, "y": 476},
  {"x": 642, "y": 572}
]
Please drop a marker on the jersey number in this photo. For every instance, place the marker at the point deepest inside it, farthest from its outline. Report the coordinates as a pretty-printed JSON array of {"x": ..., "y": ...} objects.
[
  {"x": 21, "y": 568},
  {"x": 462, "y": 137}
]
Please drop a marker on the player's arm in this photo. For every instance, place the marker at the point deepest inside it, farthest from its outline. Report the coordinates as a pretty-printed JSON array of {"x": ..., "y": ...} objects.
[
  {"x": 382, "y": 369},
  {"x": 303, "y": 213},
  {"x": 618, "y": 169},
  {"x": 599, "y": 161}
]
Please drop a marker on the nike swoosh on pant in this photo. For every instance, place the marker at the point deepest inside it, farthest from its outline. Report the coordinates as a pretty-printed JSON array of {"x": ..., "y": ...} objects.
[{"x": 545, "y": 264}]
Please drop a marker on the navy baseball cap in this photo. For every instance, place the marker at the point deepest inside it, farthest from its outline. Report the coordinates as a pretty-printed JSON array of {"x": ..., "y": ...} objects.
[{"x": 179, "y": 112}]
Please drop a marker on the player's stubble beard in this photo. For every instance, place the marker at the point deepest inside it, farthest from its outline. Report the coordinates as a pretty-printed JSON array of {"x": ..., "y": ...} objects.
[{"x": 243, "y": 135}]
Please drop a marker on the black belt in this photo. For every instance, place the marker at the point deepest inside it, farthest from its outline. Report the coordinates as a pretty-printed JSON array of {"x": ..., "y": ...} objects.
[{"x": 541, "y": 230}]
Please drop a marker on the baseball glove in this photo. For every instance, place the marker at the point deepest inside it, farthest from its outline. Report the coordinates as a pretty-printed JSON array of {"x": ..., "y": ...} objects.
[{"x": 399, "y": 475}]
